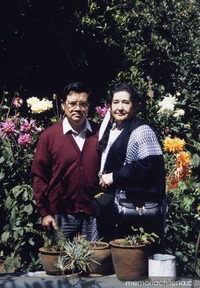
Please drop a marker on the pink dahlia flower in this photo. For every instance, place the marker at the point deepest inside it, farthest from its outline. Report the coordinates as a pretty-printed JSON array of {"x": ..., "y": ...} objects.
[
  {"x": 28, "y": 127},
  {"x": 8, "y": 128},
  {"x": 24, "y": 140}
]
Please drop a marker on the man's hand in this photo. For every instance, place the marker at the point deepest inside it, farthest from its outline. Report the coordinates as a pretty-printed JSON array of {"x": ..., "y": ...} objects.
[{"x": 48, "y": 222}]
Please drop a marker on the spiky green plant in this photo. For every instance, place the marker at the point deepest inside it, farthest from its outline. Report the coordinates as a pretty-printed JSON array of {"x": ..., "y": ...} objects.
[
  {"x": 139, "y": 237},
  {"x": 76, "y": 255}
]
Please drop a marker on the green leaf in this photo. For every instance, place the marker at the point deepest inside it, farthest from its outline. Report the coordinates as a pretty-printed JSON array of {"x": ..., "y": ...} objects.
[
  {"x": 5, "y": 236},
  {"x": 28, "y": 209},
  {"x": 195, "y": 160}
]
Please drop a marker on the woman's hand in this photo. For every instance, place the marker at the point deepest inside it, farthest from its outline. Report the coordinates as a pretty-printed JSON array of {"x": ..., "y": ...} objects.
[{"x": 106, "y": 180}]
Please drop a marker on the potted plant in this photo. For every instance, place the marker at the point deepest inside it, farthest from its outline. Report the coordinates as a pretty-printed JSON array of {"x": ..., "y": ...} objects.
[
  {"x": 61, "y": 256},
  {"x": 51, "y": 251},
  {"x": 75, "y": 256},
  {"x": 101, "y": 253},
  {"x": 130, "y": 255}
]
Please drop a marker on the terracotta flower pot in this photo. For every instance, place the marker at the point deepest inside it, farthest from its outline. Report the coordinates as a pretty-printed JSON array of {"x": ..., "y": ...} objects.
[
  {"x": 101, "y": 253},
  {"x": 130, "y": 262},
  {"x": 49, "y": 258}
]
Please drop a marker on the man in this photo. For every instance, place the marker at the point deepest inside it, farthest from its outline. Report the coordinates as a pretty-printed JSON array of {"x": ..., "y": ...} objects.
[{"x": 65, "y": 167}]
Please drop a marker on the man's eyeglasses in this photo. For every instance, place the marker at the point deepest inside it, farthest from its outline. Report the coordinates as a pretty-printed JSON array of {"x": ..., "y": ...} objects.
[{"x": 83, "y": 105}]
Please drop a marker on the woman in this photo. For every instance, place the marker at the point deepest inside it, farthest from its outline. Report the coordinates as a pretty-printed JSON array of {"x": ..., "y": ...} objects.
[{"x": 132, "y": 163}]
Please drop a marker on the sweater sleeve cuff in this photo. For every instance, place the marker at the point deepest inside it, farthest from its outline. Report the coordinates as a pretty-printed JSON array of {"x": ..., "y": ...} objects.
[
  {"x": 115, "y": 177},
  {"x": 44, "y": 212}
]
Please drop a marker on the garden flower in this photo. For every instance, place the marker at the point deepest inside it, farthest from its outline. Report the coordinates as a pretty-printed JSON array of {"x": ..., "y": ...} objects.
[
  {"x": 24, "y": 140},
  {"x": 46, "y": 104},
  {"x": 182, "y": 173},
  {"x": 174, "y": 145},
  {"x": 167, "y": 105},
  {"x": 8, "y": 128},
  {"x": 178, "y": 113},
  {"x": 32, "y": 100},
  {"x": 172, "y": 182},
  {"x": 40, "y": 106},
  {"x": 28, "y": 127},
  {"x": 36, "y": 108},
  {"x": 17, "y": 102},
  {"x": 183, "y": 159},
  {"x": 183, "y": 164},
  {"x": 102, "y": 111}
]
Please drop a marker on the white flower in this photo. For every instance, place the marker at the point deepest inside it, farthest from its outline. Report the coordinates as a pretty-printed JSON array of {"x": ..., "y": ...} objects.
[
  {"x": 178, "y": 113},
  {"x": 171, "y": 99},
  {"x": 167, "y": 105},
  {"x": 167, "y": 108},
  {"x": 32, "y": 100},
  {"x": 46, "y": 104},
  {"x": 38, "y": 106}
]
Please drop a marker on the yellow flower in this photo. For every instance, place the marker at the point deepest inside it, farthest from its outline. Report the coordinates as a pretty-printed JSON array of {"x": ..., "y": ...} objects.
[
  {"x": 174, "y": 145},
  {"x": 183, "y": 159}
]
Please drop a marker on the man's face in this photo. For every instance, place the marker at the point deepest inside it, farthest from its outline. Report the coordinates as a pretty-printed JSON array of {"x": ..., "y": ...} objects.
[{"x": 76, "y": 108}]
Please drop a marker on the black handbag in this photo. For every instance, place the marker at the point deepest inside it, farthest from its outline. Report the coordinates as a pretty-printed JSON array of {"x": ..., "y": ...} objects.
[{"x": 126, "y": 209}]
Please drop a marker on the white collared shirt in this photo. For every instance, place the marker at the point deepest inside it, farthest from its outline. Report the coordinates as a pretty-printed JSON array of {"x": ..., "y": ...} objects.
[{"x": 78, "y": 137}]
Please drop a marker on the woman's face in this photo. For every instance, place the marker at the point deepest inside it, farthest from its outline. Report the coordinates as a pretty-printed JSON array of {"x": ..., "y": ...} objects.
[{"x": 121, "y": 106}]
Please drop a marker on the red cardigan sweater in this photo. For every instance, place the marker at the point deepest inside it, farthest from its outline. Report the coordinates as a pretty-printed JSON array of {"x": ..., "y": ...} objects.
[{"x": 65, "y": 178}]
